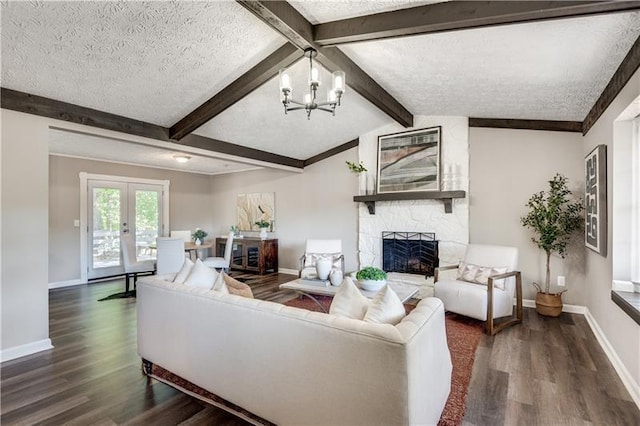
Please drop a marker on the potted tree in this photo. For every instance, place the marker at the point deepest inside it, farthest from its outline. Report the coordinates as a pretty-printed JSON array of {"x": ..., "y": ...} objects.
[{"x": 553, "y": 217}]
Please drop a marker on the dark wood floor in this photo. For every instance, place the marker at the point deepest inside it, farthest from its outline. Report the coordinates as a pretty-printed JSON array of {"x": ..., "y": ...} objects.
[{"x": 544, "y": 372}]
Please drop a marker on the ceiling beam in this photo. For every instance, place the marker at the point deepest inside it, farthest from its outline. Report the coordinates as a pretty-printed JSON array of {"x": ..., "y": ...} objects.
[
  {"x": 457, "y": 15},
  {"x": 510, "y": 123},
  {"x": 45, "y": 107},
  {"x": 285, "y": 19},
  {"x": 629, "y": 65},
  {"x": 331, "y": 152},
  {"x": 284, "y": 57}
]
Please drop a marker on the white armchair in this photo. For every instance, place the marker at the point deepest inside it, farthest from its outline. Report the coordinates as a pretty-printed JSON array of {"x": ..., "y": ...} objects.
[
  {"x": 486, "y": 283},
  {"x": 316, "y": 249}
]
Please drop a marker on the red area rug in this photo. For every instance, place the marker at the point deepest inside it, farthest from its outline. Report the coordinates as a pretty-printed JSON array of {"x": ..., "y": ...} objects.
[{"x": 463, "y": 336}]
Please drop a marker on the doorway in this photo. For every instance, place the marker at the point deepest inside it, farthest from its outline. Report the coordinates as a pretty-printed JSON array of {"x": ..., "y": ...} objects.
[{"x": 115, "y": 206}]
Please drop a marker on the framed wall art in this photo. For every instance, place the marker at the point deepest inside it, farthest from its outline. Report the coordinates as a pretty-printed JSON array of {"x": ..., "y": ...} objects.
[
  {"x": 409, "y": 161},
  {"x": 595, "y": 200},
  {"x": 254, "y": 207}
]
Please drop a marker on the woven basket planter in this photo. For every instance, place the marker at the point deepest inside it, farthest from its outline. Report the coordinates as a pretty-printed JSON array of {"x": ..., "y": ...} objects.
[{"x": 549, "y": 305}]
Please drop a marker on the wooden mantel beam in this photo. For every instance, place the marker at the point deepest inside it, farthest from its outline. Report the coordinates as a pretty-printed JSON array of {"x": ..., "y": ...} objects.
[
  {"x": 285, "y": 19},
  {"x": 284, "y": 57},
  {"x": 457, "y": 15}
]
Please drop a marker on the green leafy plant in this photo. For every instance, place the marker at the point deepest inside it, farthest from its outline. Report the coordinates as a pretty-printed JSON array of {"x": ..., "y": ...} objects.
[
  {"x": 371, "y": 273},
  {"x": 356, "y": 168},
  {"x": 553, "y": 217},
  {"x": 199, "y": 234},
  {"x": 263, "y": 224},
  {"x": 234, "y": 229}
]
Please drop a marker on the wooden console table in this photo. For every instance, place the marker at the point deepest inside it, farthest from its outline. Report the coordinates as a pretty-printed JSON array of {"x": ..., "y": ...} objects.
[{"x": 251, "y": 254}]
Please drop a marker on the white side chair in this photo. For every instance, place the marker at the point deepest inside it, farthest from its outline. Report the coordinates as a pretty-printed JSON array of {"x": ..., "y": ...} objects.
[
  {"x": 185, "y": 235},
  {"x": 315, "y": 249},
  {"x": 222, "y": 262},
  {"x": 132, "y": 266},
  {"x": 169, "y": 255},
  {"x": 489, "y": 301}
]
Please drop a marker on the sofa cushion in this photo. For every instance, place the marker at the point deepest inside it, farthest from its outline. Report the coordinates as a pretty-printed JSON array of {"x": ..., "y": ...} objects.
[
  {"x": 349, "y": 302},
  {"x": 480, "y": 274},
  {"x": 184, "y": 272},
  {"x": 385, "y": 308},
  {"x": 201, "y": 276},
  {"x": 237, "y": 287}
]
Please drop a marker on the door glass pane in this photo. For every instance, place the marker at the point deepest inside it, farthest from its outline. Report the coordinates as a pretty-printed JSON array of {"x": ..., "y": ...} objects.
[
  {"x": 147, "y": 203},
  {"x": 106, "y": 227}
]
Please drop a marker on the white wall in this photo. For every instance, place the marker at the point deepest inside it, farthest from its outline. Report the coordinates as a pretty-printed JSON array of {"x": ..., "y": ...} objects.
[
  {"x": 24, "y": 287},
  {"x": 508, "y": 166},
  {"x": 621, "y": 331},
  {"x": 315, "y": 204},
  {"x": 190, "y": 199}
]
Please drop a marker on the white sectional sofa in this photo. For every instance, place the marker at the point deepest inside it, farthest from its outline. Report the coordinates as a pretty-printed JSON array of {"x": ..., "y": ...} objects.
[{"x": 295, "y": 367}]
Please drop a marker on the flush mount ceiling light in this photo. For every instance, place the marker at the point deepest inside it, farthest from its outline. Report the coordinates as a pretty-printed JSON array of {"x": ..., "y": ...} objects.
[
  {"x": 182, "y": 158},
  {"x": 310, "y": 99}
]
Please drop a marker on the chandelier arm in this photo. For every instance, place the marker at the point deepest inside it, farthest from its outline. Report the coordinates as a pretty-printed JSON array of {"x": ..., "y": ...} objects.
[
  {"x": 293, "y": 101},
  {"x": 325, "y": 103},
  {"x": 295, "y": 108},
  {"x": 325, "y": 109}
]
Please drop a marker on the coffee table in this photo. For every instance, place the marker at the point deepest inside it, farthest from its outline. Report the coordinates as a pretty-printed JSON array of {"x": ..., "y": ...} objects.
[{"x": 309, "y": 288}]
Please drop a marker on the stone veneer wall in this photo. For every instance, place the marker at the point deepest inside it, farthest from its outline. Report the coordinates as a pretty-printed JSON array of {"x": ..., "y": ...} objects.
[{"x": 452, "y": 230}]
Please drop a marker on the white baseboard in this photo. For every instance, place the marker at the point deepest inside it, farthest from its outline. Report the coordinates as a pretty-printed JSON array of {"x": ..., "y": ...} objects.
[
  {"x": 572, "y": 309},
  {"x": 288, "y": 271},
  {"x": 627, "y": 379},
  {"x": 24, "y": 350},
  {"x": 70, "y": 283}
]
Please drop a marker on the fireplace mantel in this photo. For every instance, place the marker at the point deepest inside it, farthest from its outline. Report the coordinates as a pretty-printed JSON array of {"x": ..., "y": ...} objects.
[{"x": 446, "y": 197}]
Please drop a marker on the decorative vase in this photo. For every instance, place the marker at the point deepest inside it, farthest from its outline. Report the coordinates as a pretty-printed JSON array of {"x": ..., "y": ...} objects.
[
  {"x": 548, "y": 304},
  {"x": 372, "y": 285},
  {"x": 371, "y": 184},
  {"x": 198, "y": 242},
  {"x": 323, "y": 268},
  {"x": 263, "y": 233},
  {"x": 335, "y": 276},
  {"x": 362, "y": 183}
]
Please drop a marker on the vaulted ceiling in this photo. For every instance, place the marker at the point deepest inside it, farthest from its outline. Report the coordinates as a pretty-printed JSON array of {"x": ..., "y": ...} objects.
[{"x": 203, "y": 75}]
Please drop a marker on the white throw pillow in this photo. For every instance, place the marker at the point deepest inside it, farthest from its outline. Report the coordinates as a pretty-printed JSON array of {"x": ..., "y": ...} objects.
[
  {"x": 312, "y": 258},
  {"x": 386, "y": 308},
  {"x": 349, "y": 302},
  {"x": 220, "y": 285},
  {"x": 480, "y": 274},
  {"x": 201, "y": 276},
  {"x": 187, "y": 266}
]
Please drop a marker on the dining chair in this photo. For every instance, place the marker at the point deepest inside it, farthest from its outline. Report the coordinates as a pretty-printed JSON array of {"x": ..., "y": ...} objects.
[
  {"x": 169, "y": 254},
  {"x": 133, "y": 266},
  {"x": 185, "y": 235},
  {"x": 222, "y": 262}
]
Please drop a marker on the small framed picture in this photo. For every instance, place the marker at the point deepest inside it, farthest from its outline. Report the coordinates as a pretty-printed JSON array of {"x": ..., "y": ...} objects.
[
  {"x": 409, "y": 161},
  {"x": 595, "y": 200}
]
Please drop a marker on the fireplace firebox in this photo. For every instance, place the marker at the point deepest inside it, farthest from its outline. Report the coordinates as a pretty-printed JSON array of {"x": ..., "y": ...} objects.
[{"x": 410, "y": 252}]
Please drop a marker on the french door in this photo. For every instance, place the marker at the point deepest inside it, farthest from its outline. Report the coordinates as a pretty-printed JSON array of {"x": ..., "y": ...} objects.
[{"x": 115, "y": 208}]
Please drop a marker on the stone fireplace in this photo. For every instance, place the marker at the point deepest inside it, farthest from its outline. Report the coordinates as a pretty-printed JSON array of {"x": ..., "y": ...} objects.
[
  {"x": 410, "y": 252},
  {"x": 419, "y": 216}
]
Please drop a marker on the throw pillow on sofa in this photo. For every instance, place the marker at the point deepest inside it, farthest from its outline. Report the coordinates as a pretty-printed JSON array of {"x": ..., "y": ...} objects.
[
  {"x": 220, "y": 285},
  {"x": 181, "y": 276},
  {"x": 236, "y": 287},
  {"x": 201, "y": 276},
  {"x": 349, "y": 302},
  {"x": 385, "y": 308}
]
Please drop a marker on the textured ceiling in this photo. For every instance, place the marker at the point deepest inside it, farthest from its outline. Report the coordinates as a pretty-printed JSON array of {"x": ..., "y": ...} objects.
[
  {"x": 320, "y": 11},
  {"x": 151, "y": 61},
  {"x": 259, "y": 120},
  {"x": 553, "y": 70},
  {"x": 157, "y": 61},
  {"x": 106, "y": 149}
]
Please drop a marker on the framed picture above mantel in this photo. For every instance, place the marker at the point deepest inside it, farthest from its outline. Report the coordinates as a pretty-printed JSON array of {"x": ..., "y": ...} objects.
[{"x": 409, "y": 161}]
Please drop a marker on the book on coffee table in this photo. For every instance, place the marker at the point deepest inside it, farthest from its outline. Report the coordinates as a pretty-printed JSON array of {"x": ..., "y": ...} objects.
[{"x": 315, "y": 281}]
